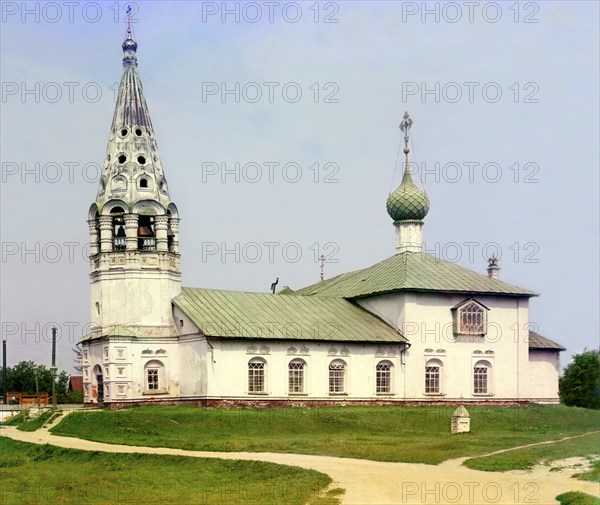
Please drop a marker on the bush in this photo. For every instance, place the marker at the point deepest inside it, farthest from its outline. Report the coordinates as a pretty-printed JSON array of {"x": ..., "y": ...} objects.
[{"x": 580, "y": 384}]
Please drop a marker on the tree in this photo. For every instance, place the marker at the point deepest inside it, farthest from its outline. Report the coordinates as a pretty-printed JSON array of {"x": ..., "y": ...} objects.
[
  {"x": 21, "y": 378},
  {"x": 580, "y": 384}
]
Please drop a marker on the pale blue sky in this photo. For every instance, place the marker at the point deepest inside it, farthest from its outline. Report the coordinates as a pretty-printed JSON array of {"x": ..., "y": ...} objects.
[{"x": 371, "y": 55}]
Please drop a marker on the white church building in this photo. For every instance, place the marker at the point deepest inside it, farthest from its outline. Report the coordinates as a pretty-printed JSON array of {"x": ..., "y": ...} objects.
[{"x": 410, "y": 329}]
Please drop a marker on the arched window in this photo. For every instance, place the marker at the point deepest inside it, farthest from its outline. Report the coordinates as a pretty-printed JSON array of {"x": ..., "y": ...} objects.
[
  {"x": 383, "y": 377},
  {"x": 337, "y": 376},
  {"x": 433, "y": 377},
  {"x": 296, "y": 383},
  {"x": 482, "y": 378},
  {"x": 256, "y": 375},
  {"x": 154, "y": 373}
]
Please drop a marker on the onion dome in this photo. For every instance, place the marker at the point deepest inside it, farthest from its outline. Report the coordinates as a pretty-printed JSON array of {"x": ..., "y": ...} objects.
[
  {"x": 407, "y": 202},
  {"x": 129, "y": 49}
]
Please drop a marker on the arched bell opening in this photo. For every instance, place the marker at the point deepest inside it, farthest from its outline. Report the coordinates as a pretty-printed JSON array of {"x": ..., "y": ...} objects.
[
  {"x": 94, "y": 229},
  {"x": 170, "y": 232},
  {"x": 146, "y": 235},
  {"x": 119, "y": 242},
  {"x": 173, "y": 228}
]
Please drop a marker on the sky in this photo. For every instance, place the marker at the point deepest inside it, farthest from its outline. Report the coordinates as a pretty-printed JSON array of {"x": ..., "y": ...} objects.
[{"x": 277, "y": 125}]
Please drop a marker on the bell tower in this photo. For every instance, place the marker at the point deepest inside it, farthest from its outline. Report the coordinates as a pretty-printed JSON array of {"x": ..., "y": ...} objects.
[{"x": 133, "y": 224}]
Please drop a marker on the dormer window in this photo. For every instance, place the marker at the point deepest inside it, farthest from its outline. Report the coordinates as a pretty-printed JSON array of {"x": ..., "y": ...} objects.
[
  {"x": 470, "y": 318},
  {"x": 145, "y": 182}
]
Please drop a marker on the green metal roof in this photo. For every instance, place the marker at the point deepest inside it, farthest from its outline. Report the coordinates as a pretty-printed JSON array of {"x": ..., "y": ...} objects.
[
  {"x": 236, "y": 314},
  {"x": 536, "y": 341},
  {"x": 113, "y": 331},
  {"x": 412, "y": 271}
]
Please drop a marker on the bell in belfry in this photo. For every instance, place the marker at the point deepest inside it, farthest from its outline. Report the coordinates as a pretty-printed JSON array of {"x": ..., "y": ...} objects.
[{"x": 145, "y": 230}]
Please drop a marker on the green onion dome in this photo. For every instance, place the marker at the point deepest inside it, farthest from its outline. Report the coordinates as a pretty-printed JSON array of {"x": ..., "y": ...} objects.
[{"x": 407, "y": 202}]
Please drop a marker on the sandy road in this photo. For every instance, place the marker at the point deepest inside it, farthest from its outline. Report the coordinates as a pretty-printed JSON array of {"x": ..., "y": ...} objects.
[{"x": 375, "y": 482}]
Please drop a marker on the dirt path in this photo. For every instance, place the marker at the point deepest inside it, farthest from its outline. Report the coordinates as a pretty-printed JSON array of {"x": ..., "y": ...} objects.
[{"x": 375, "y": 482}]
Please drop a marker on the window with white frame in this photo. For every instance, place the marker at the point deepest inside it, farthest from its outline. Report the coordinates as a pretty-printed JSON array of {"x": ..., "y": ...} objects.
[
  {"x": 256, "y": 375},
  {"x": 337, "y": 377},
  {"x": 296, "y": 370},
  {"x": 383, "y": 377},
  {"x": 470, "y": 318},
  {"x": 433, "y": 377},
  {"x": 154, "y": 372},
  {"x": 482, "y": 378}
]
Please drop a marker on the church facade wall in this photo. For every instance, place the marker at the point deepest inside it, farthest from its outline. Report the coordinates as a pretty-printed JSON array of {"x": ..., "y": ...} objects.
[
  {"x": 544, "y": 368},
  {"x": 426, "y": 320},
  {"x": 228, "y": 377}
]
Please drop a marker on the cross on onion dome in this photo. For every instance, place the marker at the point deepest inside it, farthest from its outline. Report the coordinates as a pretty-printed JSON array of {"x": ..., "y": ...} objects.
[{"x": 405, "y": 126}]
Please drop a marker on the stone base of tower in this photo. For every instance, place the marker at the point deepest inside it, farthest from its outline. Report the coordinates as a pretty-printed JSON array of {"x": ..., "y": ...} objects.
[
  {"x": 131, "y": 369},
  {"x": 132, "y": 290}
]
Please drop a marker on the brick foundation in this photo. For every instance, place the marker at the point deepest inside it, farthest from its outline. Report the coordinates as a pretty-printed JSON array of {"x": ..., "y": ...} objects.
[{"x": 251, "y": 403}]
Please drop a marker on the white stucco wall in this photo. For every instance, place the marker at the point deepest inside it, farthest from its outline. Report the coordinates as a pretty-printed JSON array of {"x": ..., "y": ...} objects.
[
  {"x": 544, "y": 370},
  {"x": 123, "y": 363},
  {"x": 134, "y": 289},
  {"x": 228, "y": 375},
  {"x": 426, "y": 320}
]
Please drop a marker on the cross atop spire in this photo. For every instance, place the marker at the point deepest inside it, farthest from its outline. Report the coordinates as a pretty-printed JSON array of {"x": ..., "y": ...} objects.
[
  {"x": 128, "y": 11},
  {"x": 405, "y": 127},
  {"x": 130, "y": 45}
]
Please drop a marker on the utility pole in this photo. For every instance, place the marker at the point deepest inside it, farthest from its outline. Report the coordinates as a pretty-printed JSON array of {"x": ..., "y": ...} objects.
[
  {"x": 4, "y": 399},
  {"x": 37, "y": 387},
  {"x": 53, "y": 367}
]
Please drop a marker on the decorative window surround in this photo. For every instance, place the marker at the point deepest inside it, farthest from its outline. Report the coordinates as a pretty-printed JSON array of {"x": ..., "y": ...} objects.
[{"x": 469, "y": 318}]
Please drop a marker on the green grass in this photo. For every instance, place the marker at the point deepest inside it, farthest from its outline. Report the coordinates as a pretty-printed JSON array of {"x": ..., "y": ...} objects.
[
  {"x": 524, "y": 459},
  {"x": 38, "y": 422},
  {"x": 593, "y": 474},
  {"x": 47, "y": 474},
  {"x": 409, "y": 434},
  {"x": 24, "y": 422},
  {"x": 577, "y": 498}
]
